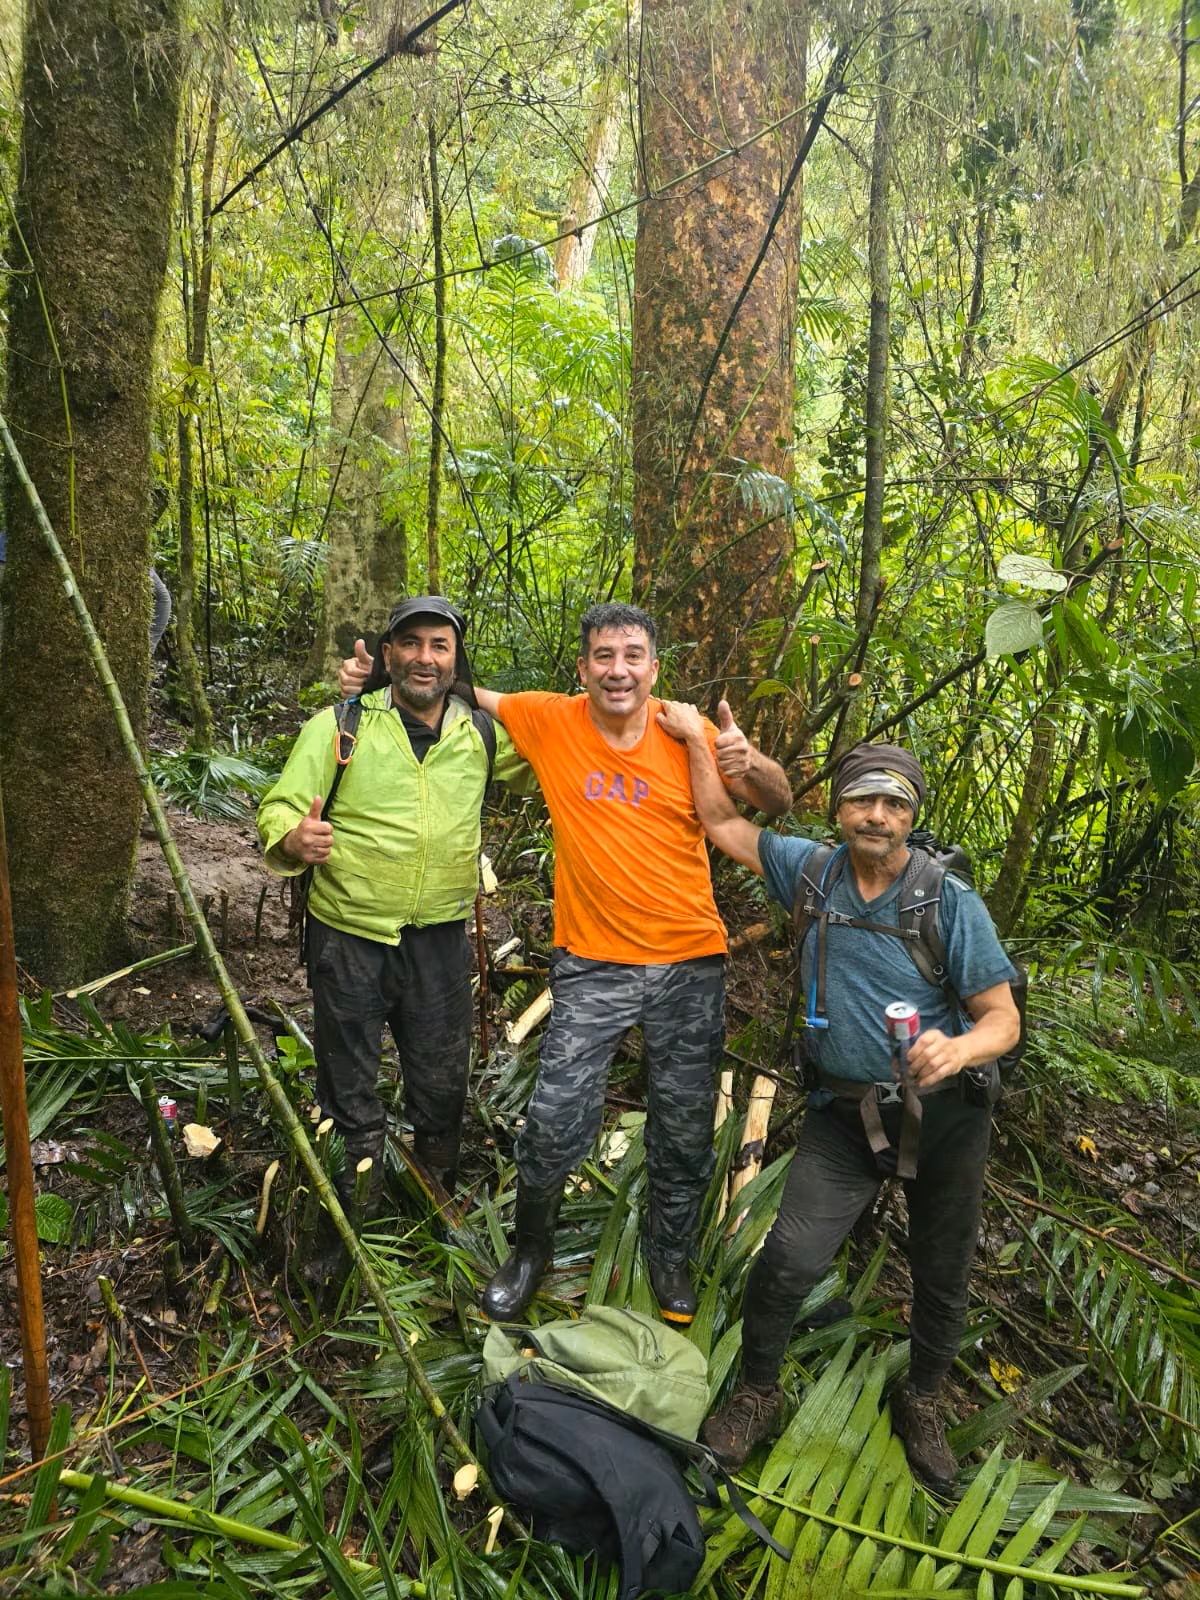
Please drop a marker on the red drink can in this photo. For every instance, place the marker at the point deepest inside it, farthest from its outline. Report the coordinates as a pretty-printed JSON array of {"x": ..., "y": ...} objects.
[
  {"x": 166, "y": 1110},
  {"x": 903, "y": 1023}
]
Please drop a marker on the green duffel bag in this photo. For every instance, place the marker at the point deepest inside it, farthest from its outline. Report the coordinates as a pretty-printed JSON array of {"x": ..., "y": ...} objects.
[{"x": 631, "y": 1362}]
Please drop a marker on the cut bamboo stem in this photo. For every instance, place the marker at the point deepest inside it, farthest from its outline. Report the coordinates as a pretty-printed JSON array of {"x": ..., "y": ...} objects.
[
  {"x": 748, "y": 1163},
  {"x": 159, "y": 960},
  {"x": 530, "y": 1018},
  {"x": 274, "y": 1090},
  {"x": 312, "y": 1203},
  {"x": 264, "y": 1203},
  {"x": 164, "y": 1160}
]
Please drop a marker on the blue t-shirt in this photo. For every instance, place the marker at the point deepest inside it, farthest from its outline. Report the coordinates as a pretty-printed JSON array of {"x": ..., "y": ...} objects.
[{"x": 865, "y": 971}]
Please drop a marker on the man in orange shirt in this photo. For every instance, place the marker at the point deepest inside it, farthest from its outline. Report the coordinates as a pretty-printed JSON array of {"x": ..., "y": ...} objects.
[{"x": 638, "y": 941}]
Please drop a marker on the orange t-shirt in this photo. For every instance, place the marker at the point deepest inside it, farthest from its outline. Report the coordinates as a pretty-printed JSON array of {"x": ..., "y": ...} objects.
[{"x": 631, "y": 879}]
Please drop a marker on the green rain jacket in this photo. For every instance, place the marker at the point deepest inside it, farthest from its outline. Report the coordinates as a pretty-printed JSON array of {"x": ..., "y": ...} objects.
[{"x": 405, "y": 832}]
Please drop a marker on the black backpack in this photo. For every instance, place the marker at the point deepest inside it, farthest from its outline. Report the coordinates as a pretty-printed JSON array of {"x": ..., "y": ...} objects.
[
  {"x": 598, "y": 1481},
  {"x": 918, "y": 927},
  {"x": 593, "y": 1484}
]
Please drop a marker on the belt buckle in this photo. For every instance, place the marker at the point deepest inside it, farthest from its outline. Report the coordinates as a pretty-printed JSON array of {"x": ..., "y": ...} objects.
[{"x": 889, "y": 1094}]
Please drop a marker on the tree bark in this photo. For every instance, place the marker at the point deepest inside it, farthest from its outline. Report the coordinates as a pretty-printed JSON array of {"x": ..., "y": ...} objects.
[
  {"x": 712, "y": 383},
  {"x": 92, "y": 230},
  {"x": 589, "y": 187},
  {"x": 367, "y": 566}
]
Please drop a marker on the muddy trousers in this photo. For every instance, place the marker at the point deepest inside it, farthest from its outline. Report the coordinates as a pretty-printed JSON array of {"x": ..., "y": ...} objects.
[
  {"x": 680, "y": 1009},
  {"x": 421, "y": 988},
  {"x": 833, "y": 1178}
]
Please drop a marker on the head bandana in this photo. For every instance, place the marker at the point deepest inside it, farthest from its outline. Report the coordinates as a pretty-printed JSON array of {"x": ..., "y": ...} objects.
[{"x": 878, "y": 769}]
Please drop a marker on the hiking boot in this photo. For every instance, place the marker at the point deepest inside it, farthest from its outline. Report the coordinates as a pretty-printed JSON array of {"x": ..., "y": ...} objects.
[
  {"x": 513, "y": 1286},
  {"x": 674, "y": 1292},
  {"x": 744, "y": 1421},
  {"x": 917, "y": 1423},
  {"x": 438, "y": 1154}
]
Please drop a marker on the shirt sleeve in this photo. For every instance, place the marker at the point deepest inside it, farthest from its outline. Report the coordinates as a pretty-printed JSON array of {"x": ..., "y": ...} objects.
[
  {"x": 524, "y": 717},
  {"x": 308, "y": 772},
  {"x": 975, "y": 957},
  {"x": 783, "y": 857},
  {"x": 511, "y": 769}
]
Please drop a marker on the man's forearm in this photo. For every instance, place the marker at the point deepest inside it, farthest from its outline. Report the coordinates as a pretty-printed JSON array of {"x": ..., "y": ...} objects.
[{"x": 765, "y": 785}]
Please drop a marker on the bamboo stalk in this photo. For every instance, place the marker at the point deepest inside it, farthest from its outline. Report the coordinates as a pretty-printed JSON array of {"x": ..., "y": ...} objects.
[
  {"x": 213, "y": 1298},
  {"x": 203, "y": 1521},
  {"x": 312, "y": 1205},
  {"x": 362, "y": 1190},
  {"x": 159, "y": 960},
  {"x": 22, "y": 1220},
  {"x": 232, "y": 1071},
  {"x": 164, "y": 1160},
  {"x": 724, "y": 1107},
  {"x": 274, "y": 1090}
]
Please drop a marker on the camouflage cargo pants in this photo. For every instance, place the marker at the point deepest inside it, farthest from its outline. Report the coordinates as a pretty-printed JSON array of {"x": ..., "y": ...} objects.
[{"x": 680, "y": 1008}]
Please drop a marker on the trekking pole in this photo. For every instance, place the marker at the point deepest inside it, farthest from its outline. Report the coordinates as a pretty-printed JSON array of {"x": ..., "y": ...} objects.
[
  {"x": 212, "y": 957},
  {"x": 14, "y": 1112}
]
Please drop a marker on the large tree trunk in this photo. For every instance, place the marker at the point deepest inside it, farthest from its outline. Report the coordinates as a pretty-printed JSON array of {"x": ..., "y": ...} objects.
[
  {"x": 712, "y": 387},
  {"x": 89, "y": 251}
]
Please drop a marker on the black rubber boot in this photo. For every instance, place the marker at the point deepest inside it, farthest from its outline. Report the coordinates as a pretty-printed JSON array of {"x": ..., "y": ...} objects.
[
  {"x": 438, "y": 1154},
  {"x": 674, "y": 1292},
  {"x": 513, "y": 1286}
]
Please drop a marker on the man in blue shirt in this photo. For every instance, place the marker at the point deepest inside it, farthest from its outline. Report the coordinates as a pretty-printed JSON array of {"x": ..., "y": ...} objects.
[{"x": 839, "y": 1164}]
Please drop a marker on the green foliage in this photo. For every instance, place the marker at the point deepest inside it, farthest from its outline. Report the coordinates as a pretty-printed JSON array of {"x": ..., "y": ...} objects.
[{"x": 210, "y": 783}]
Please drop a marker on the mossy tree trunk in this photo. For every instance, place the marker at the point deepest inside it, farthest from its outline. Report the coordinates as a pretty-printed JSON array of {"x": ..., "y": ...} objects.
[
  {"x": 712, "y": 385},
  {"x": 93, "y": 220}
]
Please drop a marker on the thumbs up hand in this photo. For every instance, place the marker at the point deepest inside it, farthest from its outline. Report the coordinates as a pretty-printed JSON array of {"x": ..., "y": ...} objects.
[
  {"x": 311, "y": 840},
  {"x": 732, "y": 748},
  {"x": 354, "y": 670}
]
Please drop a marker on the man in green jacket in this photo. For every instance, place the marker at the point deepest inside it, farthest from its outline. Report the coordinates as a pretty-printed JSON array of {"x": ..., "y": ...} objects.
[{"x": 395, "y": 873}]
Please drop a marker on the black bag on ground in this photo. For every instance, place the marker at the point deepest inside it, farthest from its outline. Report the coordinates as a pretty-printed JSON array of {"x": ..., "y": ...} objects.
[{"x": 591, "y": 1482}]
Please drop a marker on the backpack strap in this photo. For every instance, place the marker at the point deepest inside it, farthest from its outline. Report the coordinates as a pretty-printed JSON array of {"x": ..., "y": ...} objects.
[
  {"x": 918, "y": 912},
  {"x": 485, "y": 727},
  {"x": 347, "y": 716}
]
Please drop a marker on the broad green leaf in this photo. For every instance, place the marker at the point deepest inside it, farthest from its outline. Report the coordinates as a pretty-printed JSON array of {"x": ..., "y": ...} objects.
[
  {"x": 1011, "y": 628},
  {"x": 1031, "y": 572},
  {"x": 768, "y": 686},
  {"x": 1172, "y": 760}
]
